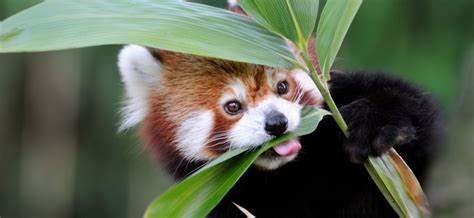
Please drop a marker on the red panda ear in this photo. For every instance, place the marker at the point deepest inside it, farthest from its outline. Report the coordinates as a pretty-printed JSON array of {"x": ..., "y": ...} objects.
[
  {"x": 234, "y": 6},
  {"x": 141, "y": 71}
]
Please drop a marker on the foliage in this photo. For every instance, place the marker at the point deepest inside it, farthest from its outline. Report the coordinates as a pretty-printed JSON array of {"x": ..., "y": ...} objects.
[
  {"x": 179, "y": 26},
  {"x": 203, "y": 30},
  {"x": 295, "y": 20},
  {"x": 332, "y": 28}
]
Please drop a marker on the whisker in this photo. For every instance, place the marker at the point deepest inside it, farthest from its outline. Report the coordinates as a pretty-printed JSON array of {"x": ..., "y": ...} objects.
[{"x": 299, "y": 90}]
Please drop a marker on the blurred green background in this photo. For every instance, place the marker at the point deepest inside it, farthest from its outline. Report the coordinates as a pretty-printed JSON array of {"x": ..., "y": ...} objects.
[{"x": 61, "y": 155}]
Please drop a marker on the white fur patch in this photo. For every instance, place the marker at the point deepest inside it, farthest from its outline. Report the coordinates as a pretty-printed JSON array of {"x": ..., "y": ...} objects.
[
  {"x": 140, "y": 72},
  {"x": 273, "y": 163},
  {"x": 240, "y": 90},
  {"x": 291, "y": 110},
  {"x": 307, "y": 85},
  {"x": 193, "y": 133},
  {"x": 250, "y": 129}
]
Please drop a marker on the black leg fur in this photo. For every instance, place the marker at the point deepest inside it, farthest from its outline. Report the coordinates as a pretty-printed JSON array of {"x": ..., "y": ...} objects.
[
  {"x": 384, "y": 112},
  {"x": 381, "y": 112}
]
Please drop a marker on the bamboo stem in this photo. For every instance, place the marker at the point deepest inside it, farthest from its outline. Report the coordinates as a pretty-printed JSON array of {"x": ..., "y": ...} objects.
[{"x": 323, "y": 88}]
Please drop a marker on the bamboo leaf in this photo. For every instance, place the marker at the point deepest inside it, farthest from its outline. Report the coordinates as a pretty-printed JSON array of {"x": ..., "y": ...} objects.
[
  {"x": 293, "y": 19},
  {"x": 398, "y": 184},
  {"x": 198, "y": 194},
  {"x": 410, "y": 183},
  {"x": 167, "y": 24},
  {"x": 374, "y": 174},
  {"x": 335, "y": 20}
]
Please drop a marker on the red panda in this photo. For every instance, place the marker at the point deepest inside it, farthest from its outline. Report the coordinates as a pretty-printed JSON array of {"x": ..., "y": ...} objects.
[
  {"x": 191, "y": 109},
  {"x": 197, "y": 108}
]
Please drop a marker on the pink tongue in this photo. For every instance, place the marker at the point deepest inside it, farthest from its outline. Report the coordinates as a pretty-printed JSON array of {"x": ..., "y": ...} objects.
[{"x": 288, "y": 148}]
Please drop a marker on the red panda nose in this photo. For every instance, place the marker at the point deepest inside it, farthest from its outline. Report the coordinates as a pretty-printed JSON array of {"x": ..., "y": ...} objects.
[{"x": 276, "y": 123}]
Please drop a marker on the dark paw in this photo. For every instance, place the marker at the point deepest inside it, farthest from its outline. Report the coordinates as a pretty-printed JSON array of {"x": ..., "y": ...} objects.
[
  {"x": 357, "y": 153},
  {"x": 390, "y": 136},
  {"x": 360, "y": 147}
]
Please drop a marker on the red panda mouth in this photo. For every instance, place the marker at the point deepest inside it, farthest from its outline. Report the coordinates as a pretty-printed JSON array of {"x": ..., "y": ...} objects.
[
  {"x": 287, "y": 148},
  {"x": 279, "y": 155}
]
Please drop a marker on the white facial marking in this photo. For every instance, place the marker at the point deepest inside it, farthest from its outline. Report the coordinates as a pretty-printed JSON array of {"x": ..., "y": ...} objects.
[
  {"x": 307, "y": 85},
  {"x": 274, "y": 163},
  {"x": 250, "y": 129},
  {"x": 226, "y": 97},
  {"x": 279, "y": 76},
  {"x": 291, "y": 110},
  {"x": 193, "y": 133},
  {"x": 140, "y": 72},
  {"x": 239, "y": 88},
  {"x": 238, "y": 92}
]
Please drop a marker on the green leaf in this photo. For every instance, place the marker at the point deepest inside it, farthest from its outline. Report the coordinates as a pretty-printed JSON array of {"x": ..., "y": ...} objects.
[
  {"x": 335, "y": 20},
  {"x": 293, "y": 19},
  {"x": 167, "y": 24},
  {"x": 389, "y": 180},
  {"x": 375, "y": 175},
  {"x": 198, "y": 194},
  {"x": 398, "y": 184}
]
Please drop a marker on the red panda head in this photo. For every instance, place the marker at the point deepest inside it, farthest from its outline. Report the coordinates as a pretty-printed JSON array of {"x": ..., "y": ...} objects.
[{"x": 196, "y": 108}]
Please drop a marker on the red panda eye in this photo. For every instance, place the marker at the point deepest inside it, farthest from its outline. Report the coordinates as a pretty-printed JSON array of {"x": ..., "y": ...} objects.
[
  {"x": 282, "y": 87},
  {"x": 232, "y": 107}
]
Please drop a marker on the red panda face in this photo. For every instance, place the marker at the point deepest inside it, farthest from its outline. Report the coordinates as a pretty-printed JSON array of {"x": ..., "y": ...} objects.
[{"x": 198, "y": 108}]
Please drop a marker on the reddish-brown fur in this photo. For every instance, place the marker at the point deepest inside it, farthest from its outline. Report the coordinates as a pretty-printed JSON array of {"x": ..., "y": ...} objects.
[{"x": 191, "y": 83}]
